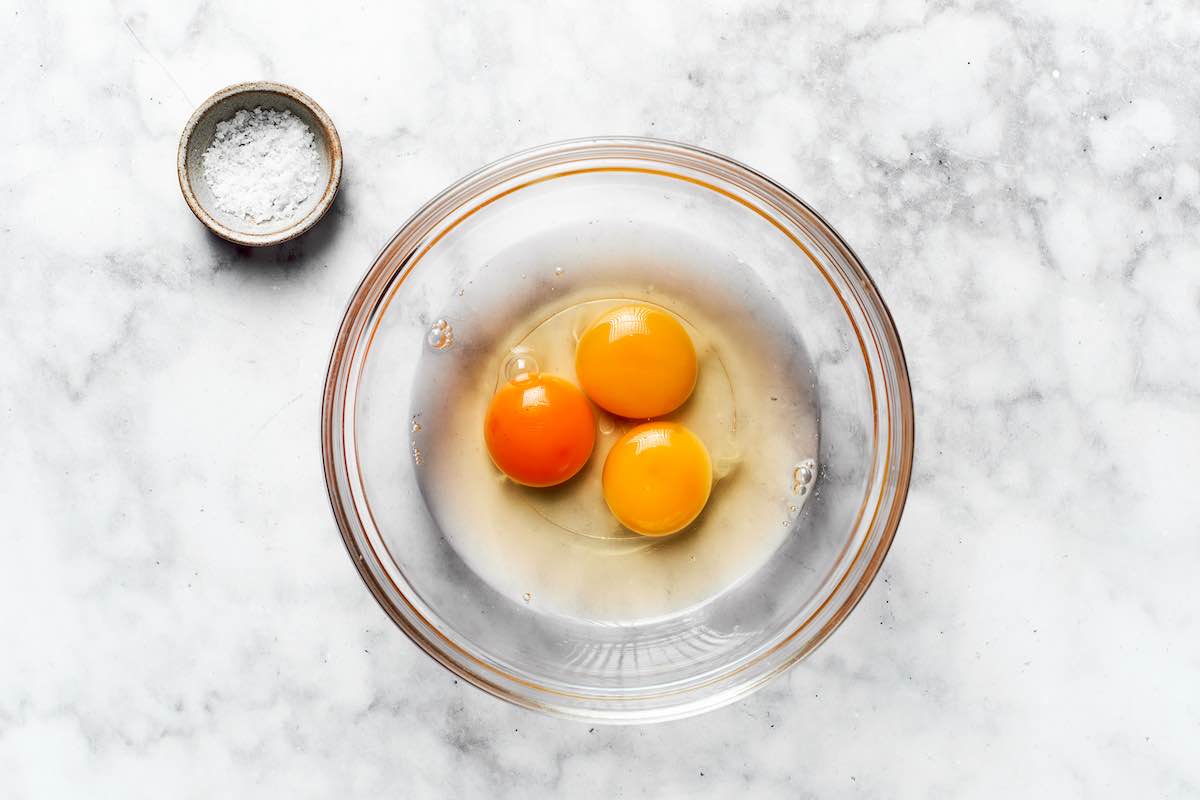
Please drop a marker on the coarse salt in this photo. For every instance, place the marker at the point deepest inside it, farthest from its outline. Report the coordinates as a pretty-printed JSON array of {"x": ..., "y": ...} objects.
[{"x": 262, "y": 165}]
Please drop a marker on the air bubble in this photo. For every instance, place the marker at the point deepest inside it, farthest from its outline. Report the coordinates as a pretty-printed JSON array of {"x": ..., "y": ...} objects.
[
  {"x": 558, "y": 272},
  {"x": 441, "y": 335},
  {"x": 606, "y": 424},
  {"x": 803, "y": 475},
  {"x": 520, "y": 367},
  {"x": 528, "y": 596},
  {"x": 416, "y": 426},
  {"x": 418, "y": 458}
]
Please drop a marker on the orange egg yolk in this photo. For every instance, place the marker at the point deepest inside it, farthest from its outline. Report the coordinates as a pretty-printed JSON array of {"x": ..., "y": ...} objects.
[
  {"x": 657, "y": 478},
  {"x": 636, "y": 361},
  {"x": 539, "y": 430}
]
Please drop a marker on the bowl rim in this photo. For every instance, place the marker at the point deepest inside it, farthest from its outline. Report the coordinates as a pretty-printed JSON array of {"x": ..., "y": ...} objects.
[
  {"x": 891, "y": 495},
  {"x": 300, "y": 226}
]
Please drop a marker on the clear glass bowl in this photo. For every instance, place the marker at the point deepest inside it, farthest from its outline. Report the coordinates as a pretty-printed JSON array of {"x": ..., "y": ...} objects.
[{"x": 602, "y": 670}]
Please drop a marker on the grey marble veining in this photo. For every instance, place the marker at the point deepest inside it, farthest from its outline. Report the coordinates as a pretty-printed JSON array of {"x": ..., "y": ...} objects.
[{"x": 1023, "y": 181}]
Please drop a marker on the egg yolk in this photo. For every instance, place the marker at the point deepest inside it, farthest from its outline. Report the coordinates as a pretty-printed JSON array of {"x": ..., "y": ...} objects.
[
  {"x": 636, "y": 361},
  {"x": 539, "y": 430},
  {"x": 657, "y": 478}
]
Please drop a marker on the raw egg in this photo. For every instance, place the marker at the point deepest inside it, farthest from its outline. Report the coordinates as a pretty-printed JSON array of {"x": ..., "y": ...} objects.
[
  {"x": 636, "y": 361},
  {"x": 657, "y": 478},
  {"x": 539, "y": 429}
]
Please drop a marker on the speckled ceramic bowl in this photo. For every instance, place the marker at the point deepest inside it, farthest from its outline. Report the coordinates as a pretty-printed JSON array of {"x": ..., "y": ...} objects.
[{"x": 198, "y": 135}]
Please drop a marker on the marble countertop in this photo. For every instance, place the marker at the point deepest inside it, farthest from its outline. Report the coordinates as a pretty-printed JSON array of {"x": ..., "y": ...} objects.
[{"x": 1023, "y": 182}]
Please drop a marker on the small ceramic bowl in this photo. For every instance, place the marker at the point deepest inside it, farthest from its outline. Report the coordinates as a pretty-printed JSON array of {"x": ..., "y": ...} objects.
[{"x": 198, "y": 135}]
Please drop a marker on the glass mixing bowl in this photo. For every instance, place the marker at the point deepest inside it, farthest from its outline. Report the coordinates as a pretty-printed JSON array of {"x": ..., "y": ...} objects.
[{"x": 535, "y": 209}]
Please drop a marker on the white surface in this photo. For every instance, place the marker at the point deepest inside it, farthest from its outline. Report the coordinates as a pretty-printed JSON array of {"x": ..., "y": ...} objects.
[{"x": 180, "y": 617}]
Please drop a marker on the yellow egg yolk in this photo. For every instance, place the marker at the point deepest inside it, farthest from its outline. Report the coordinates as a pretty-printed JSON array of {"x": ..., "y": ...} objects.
[
  {"x": 657, "y": 478},
  {"x": 636, "y": 361},
  {"x": 539, "y": 430}
]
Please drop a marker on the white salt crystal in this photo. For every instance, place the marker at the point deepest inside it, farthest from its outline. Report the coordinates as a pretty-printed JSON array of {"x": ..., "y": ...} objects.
[{"x": 262, "y": 165}]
